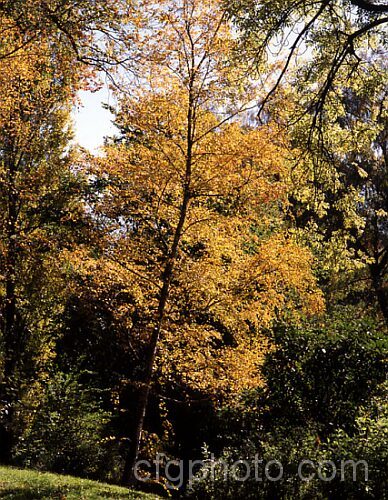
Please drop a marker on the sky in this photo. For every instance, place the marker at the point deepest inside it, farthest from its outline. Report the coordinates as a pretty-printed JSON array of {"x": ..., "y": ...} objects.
[{"x": 91, "y": 121}]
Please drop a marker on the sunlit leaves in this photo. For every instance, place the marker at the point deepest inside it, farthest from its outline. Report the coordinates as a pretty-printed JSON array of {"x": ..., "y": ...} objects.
[{"x": 185, "y": 135}]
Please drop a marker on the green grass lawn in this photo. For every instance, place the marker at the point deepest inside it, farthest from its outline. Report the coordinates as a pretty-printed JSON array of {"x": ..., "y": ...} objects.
[{"x": 27, "y": 484}]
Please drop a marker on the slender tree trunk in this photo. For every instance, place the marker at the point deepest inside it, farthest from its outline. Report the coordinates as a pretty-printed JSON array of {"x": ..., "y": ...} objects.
[
  {"x": 10, "y": 327},
  {"x": 129, "y": 474},
  {"x": 10, "y": 330},
  {"x": 380, "y": 291},
  {"x": 7, "y": 381}
]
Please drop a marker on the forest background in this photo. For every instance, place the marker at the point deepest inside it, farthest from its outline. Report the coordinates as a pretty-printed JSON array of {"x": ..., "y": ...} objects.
[{"x": 215, "y": 278}]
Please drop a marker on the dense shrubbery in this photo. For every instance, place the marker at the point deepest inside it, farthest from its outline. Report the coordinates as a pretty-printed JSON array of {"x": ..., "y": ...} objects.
[
  {"x": 325, "y": 400},
  {"x": 67, "y": 432}
]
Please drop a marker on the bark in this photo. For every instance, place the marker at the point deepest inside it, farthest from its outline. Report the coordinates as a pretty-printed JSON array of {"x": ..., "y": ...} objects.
[
  {"x": 11, "y": 334},
  {"x": 380, "y": 291},
  {"x": 370, "y": 6},
  {"x": 10, "y": 328},
  {"x": 129, "y": 474}
]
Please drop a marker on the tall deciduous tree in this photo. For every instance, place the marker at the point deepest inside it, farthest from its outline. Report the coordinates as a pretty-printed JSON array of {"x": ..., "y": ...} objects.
[
  {"x": 193, "y": 208},
  {"x": 346, "y": 204},
  {"x": 39, "y": 199}
]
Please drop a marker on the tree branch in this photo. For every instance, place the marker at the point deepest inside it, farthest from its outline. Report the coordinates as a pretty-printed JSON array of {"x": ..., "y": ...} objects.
[{"x": 369, "y": 7}]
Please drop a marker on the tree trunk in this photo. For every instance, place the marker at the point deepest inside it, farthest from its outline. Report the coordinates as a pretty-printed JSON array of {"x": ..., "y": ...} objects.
[
  {"x": 381, "y": 292},
  {"x": 129, "y": 474},
  {"x": 11, "y": 335},
  {"x": 10, "y": 329}
]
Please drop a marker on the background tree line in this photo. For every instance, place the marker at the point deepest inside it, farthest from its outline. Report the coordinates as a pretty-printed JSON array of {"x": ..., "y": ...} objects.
[{"x": 218, "y": 274}]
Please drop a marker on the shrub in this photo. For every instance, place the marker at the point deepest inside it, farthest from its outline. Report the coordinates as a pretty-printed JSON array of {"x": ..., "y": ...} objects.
[
  {"x": 325, "y": 400},
  {"x": 67, "y": 432}
]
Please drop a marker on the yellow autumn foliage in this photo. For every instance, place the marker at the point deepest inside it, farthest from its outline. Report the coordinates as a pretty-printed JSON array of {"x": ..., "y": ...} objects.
[{"x": 193, "y": 208}]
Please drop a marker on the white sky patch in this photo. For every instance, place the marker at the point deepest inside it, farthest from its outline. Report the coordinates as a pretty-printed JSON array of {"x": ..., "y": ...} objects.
[{"x": 91, "y": 121}]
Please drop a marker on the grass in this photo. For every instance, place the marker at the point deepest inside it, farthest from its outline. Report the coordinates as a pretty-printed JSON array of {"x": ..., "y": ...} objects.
[{"x": 32, "y": 485}]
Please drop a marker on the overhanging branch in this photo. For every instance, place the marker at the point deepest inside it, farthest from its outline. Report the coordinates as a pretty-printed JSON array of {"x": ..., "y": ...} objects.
[{"x": 369, "y": 7}]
